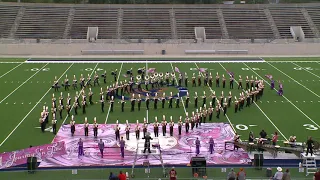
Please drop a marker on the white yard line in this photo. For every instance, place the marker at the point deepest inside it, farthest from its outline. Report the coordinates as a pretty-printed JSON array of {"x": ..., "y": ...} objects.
[
  {"x": 306, "y": 70},
  {"x": 214, "y": 107},
  {"x": 184, "y": 107},
  {"x": 293, "y": 80},
  {"x": 285, "y": 98},
  {"x": 261, "y": 110},
  {"x": 25, "y": 117},
  {"x": 114, "y": 99},
  {"x": 292, "y": 61},
  {"x": 23, "y": 83},
  {"x": 11, "y": 70}
]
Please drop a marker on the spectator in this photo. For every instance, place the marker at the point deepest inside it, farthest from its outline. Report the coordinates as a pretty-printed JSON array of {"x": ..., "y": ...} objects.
[
  {"x": 173, "y": 174},
  {"x": 278, "y": 175},
  {"x": 112, "y": 176},
  {"x": 231, "y": 175},
  {"x": 241, "y": 174},
  {"x": 122, "y": 176},
  {"x": 286, "y": 175},
  {"x": 317, "y": 175},
  {"x": 275, "y": 138}
]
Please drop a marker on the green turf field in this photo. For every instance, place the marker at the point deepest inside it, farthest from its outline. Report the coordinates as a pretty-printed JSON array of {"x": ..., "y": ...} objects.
[{"x": 26, "y": 88}]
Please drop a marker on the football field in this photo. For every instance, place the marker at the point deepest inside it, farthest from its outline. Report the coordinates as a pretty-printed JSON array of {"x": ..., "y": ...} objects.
[{"x": 26, "y": 88}]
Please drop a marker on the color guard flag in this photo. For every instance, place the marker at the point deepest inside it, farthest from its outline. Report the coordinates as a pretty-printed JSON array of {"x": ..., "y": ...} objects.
[
  {"x": 230, "y": 73},
  {"x": 177, "y": 69},
  {"x": 202, "y": 70},
  {"x": 151, "y": 70},
  {"x": 269, "y": 76}
]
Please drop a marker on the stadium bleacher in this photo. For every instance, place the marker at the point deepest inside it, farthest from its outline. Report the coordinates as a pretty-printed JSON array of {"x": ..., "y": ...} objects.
[{"x": 25, "y": 21}]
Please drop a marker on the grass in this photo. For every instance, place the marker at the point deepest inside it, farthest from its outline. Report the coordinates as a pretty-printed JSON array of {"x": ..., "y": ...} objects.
[{"x": 22, "y": 99}]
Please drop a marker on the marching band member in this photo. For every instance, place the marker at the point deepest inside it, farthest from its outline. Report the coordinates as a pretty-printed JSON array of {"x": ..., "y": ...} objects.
[
  {"x": 54, "y": 124},
  {"x": 147, "y": 101},
  {"x": 163, "y": 99},
  {"x": 197, "y": 146},
  {"x": 180, "y": 80},
  {"x": 251, "y": 137},
  {"x": 139, "y": 102},
  {"x": 170, "y": 100},
  {"x": 204, "y": 99},
  {"x": 211, "y": 145},
  {"x": 205, "y": 112},
  {"x": 221, "y": 98},
  {"x": 72, "y": 125},
  {"x": 84, "y": 107},
  {"x": 164, "y": 125},
  {"x": 66, "y": 83},
  {"x": 173, "y": 77},
  {"x": 122, "y": 146},
  {"x": 104, "y": 75},
  {"x": 74, "y": 83},
  {"x": 144, "y": 127},
  {"x": 47, "y": 115},
  {"x": 90, "y": 96},
  {"x": 272, "y": 84},
  {"x": 210, "y": 111},
  {"x": 200, "y": 115},
  {"x": 127, "y": 130},
  {"x": 231, "y": 81},
  {"x": 137, "y": 130},
  {"x": 252, "y": 82},
  {"x": 156, "y": 127},
  {"x": 171, "y": 126},
  {"x": 180, "y": 126},
  {"x": 155, "y": 105},
  {"x": 76, "y": 104},
  {"x": 54, "y": 101},
  {"x": 199, "y": 78},
  {"x": 42, "y": 122},
  {"x": 56, "y": 84},
  {"x": 236, "y": 140},
  {"x": 280, "y": 91},
  {"x": 195, "y": 100},
  {"x": 223, "y": 81},
  {"x": 86, "y": 127},
  {"x": 240, "y": 82},
  {"x": 275, "y": 138},
  {"x": 236, "y": 105},
  {"x": 225, "y": 105},
  {"x": 122, "y": 103},
  {"x": 117, "y": 131},
  {"x": 218, "y": 110},
  {"x": 102, "y": 103},
  {"x": 185, "y": 79},
  {"x": 229, "y": 99},
  {"x": 210, "y": 79},
  {"x": 178, "y": 101},
  {"x": 60, "y": 108},
  {"x": 82, "y": 85},
  {"x": 61, "y": 100},
  {"x": 111, "y": 103},
  {"x": 247, "y": 83},
  {"x": 96, "y": 79},
  {"x": 88, "y": 81},
  {"x": 187, "y": 100},
  {"x": 257, "y": 81},
  {"x": 197, "y": 118},
  {"x": 101, "y": 147},
  {"x": 193, "y": 80},
  {"x": 248, "y": 98},
  {"x": 187, "y": 125},
  {"x": 213, "y": 98},
  {"x": 167, "y": 78},
  {"x": 95, "y": 127},
  {"x": 193, "y": 120}
]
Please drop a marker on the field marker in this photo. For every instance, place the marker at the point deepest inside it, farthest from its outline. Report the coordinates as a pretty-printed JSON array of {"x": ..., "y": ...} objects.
[
  {"x": 275, "y": 101},
  {"x": 7, "y": 103},
  {"x": 260, "y": 108},
  {"x": 5, "y": 82},
  {"x": 29, "y": 102},
  {"x": 282, "y": 101},
  {"x": 11, "y": 70},
  {"x": 21, "y": 103},
  {"x": 185, "y": 111},
  {"x": 304, "y": 101},
  {"x": 212, "y": 92},
  {"x": 114, "y": 99},
  {"x": 22, "y": 83},
  {"x": 286, "y": 98},
  {"x": 260, "y": 101},
  {"x": 311, "y": 101},
  {"x": 292, "y": 79},
  {"x": 267, "y": 101},
  {"x": 306, "y": 70},
  {"x": 25, "y": 117}
]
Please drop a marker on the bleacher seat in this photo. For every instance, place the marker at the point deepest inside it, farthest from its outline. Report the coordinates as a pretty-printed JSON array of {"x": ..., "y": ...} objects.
[{"x": 7, "y": 17}]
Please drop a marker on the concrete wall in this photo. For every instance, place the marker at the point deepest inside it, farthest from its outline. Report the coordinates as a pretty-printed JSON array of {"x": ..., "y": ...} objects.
[{"x": 155, "y": 49}]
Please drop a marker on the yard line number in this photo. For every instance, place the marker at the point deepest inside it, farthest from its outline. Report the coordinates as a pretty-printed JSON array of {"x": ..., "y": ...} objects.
[
  {"x": 37, "y": 69},
  {"x": 242, "y": 127},
  {"x": 91, "y": 69},
  {"x": 310, "y": 127},
  {"x": 303, "y": 68},
  {"x": 248, "y": 69}
]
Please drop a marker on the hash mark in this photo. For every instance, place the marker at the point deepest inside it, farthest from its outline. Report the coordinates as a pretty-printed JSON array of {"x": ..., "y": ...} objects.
[
  {"x": 282, "y": 101},
  {"x": 304, "y": 101},
  {"x": 275, "y": 101},
  {"x": 31, "y": 82},
  {"x": 45, "y": 102},
  {"x": 307, "y": 80},
  {"x": 11, "y": 81},
  {"x": 5, "y": 82},
  {"x": 37, "y": 81},
  {"x": 14, "y": 103},
  {"x": 7, "y": 103},
  {"x": 260, "y": 101},
  {"x": 267, "y": 101},
  {"x": 296, "y": 101},
  {"x": 311, "y": 101},
  {"x": 29, "y": 102},
  {"x": 313, "y": 80}
]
